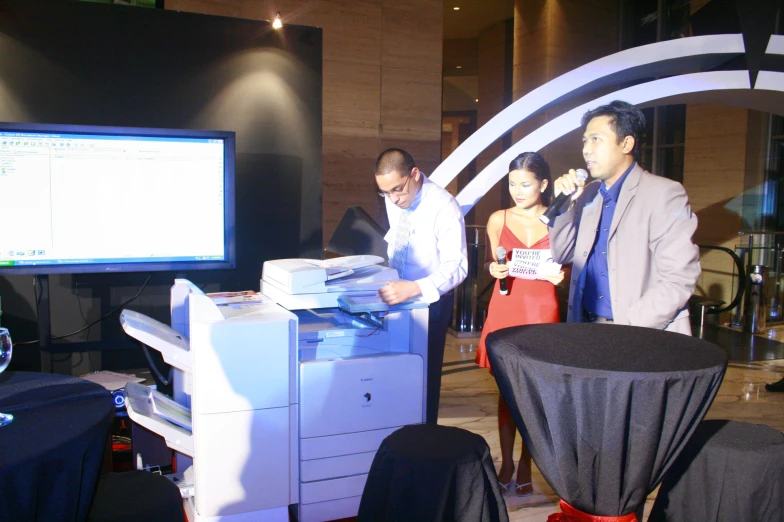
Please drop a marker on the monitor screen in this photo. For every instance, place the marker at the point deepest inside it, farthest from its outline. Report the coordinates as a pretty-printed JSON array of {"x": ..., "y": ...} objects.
[{"x": 77, "y": 199}]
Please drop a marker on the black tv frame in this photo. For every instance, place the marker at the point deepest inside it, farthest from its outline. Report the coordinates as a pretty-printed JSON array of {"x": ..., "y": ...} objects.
[{"x": 229, "y": 261}]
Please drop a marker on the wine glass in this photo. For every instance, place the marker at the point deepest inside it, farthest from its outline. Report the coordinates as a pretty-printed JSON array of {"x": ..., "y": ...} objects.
[{"x": 5, "y": 358}]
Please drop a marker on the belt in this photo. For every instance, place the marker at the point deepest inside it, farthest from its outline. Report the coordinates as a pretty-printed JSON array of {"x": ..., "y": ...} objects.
[{"x": 591, "y": 317}]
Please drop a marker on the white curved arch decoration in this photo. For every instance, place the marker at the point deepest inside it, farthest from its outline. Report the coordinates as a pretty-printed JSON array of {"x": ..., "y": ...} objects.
[
  {"x": 646, "y": 57},
  {"x": 770, "y": 81},
  {"x": 549, "y": 132},
  {"x": 775, "y": 45}
]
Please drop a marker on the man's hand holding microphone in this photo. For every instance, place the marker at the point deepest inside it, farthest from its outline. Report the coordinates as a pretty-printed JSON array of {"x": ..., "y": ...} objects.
[{"x": 566, "y": 189}]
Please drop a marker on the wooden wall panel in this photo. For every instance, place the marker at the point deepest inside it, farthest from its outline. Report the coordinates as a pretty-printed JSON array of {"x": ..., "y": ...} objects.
[
  {"x": 406, "y": 106},
  {"x": 381, "y": 85},
  {"x": 531, "y": 41},
  {"x": 350, "y": 160},
  {"x": 351, "y": 99},
  {"x": 492, "y": 79},
  {"x": 492, "y": 71},
  {"x": 553, "y": 37},
  {"x": 584, "y": 29},
  {"x": 411, "y": 64},
  {"x": 463, "y": 52},
  {"x": 352, "y": 30},
  {"x": 413, "y": 35},
  {"x": 714, "y": 172}
]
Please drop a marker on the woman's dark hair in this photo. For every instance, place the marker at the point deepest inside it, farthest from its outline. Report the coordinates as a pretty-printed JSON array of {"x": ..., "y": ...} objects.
[
  {"x": 535, "y": 163},
  {"x": 625, "y": 120}
]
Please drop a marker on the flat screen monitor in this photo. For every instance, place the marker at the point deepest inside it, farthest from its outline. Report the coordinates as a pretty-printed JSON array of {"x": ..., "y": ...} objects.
[{"x": 89, "y": 199}]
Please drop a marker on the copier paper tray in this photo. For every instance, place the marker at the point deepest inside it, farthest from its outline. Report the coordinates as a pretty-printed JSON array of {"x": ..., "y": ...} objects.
[{"x": 373, "y": 303}]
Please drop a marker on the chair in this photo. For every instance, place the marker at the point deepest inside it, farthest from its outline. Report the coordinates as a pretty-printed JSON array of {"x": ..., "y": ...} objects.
[
  {"x": 728, "y": 472},
  {"x": 434, "y": 473},
  {"x": 136, "y": 496}
]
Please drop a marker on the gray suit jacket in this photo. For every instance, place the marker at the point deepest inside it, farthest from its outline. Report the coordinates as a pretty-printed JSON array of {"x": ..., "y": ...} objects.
[{"x": 653, "y": 262}]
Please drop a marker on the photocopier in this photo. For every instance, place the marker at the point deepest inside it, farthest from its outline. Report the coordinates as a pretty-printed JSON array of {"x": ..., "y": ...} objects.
[{"x": 290, "y": 391}]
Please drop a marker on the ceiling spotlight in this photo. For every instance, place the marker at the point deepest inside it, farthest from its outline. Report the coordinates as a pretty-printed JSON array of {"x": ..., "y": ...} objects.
[
  {"x": 458, "y": 67},
  {"x": 456, "y": 8},
  {"x": 477, "y": 100},
  {"x": 277, "y": 23}
]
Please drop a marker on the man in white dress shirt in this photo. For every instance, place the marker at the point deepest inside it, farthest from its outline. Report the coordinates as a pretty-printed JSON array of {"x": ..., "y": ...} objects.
[{"x": 426, "y": 244}]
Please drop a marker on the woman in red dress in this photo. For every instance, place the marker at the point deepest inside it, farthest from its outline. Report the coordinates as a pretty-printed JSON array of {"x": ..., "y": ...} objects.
[{"x": 529, "y": 301}]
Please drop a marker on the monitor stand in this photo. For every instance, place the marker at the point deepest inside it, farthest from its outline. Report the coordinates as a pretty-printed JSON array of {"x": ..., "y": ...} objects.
[
  {"x": 44, "y": 323},
  {"x": 49, "y": 362}
]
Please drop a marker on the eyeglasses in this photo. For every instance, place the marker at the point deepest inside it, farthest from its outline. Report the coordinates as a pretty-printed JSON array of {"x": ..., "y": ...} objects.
[{"x": 398, "y": 192}]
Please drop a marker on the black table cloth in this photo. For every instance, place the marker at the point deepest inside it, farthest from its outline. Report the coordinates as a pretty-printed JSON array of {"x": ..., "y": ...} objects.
[
  {"x": 729, "y": 472},
  {"x": 604, "y": 409},
  {"x": 432, "y": 473},
  {"x": 50, "y": 455}
]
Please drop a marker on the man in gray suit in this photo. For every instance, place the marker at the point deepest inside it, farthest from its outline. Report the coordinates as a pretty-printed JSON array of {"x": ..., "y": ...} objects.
[{"x": 628, "y": 233}]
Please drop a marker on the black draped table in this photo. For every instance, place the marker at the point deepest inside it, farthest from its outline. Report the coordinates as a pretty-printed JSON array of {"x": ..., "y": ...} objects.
[
  {"x": 729, "y": 472},
  {"x": 50, "y": 455},
  {"x": 604, "y": 408}
]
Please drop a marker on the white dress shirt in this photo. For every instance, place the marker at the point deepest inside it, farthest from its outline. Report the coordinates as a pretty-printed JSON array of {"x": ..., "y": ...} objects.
[{"x": 436, "y": 258}]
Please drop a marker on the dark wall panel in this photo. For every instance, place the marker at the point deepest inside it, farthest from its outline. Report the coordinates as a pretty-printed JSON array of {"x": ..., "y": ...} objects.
[{"x": 98, "y": 64}]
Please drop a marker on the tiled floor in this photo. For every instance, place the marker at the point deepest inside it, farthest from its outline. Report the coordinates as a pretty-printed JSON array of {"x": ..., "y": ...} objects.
[{"x": 469, "y": 398}]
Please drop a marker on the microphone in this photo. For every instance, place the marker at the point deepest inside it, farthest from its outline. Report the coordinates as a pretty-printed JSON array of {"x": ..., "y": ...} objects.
[
  {"x": 500, "y": 254},
  {"x": 555, "y": 207}
]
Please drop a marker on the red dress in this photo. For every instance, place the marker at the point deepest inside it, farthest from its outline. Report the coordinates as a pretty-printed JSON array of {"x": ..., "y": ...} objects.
[{"x": 529, "y": 301}]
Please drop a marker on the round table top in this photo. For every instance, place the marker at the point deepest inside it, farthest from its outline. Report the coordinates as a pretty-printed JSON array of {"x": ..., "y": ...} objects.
[
  {"x": 49, "y": 411},
  {"x": 611, "y": 347}
]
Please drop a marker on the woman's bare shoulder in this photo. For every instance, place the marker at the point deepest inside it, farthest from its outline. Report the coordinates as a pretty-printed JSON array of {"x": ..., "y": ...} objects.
[{"x": 496, "y": 219}]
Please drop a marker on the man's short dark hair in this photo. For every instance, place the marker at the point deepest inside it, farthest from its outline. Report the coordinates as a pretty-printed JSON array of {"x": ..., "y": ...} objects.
[
  {"x": 396, "y": 160},
  {"x": 625, "y": 120}
]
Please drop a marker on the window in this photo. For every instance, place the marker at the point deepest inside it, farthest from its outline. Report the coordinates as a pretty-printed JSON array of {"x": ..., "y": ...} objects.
[
  {"x": 775, "y": 167},
  {"x": 663, "y": 142},
  {"x": 645, "y": 22},
  {"x": 650, "y": 21}
]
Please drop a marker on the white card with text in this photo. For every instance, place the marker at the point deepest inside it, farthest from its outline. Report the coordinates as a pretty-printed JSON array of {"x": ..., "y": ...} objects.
[{"x": 532, "y": 263}]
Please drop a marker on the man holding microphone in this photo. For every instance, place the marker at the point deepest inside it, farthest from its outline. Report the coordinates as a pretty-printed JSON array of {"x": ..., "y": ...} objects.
[{"x": 628, "y": 233}]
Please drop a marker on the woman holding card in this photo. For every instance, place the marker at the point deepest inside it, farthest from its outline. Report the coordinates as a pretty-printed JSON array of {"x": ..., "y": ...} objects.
[{"x": 530, "y": 296}]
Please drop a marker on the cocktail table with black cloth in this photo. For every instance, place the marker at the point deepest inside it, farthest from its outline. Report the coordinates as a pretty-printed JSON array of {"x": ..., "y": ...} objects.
[
  {"x": 729, "y": 472},
  {"x": 50, "y": 455},
  {"x": 604, "y": 408},
  {"x": 432, "y": 473}
]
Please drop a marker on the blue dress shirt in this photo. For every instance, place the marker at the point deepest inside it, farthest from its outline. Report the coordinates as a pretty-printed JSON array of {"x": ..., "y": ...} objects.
[{"x": 596, "y": 283}]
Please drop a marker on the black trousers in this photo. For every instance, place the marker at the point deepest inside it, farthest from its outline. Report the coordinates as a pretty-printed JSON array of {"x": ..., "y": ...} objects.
[{"x": 440, "y": 314}]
